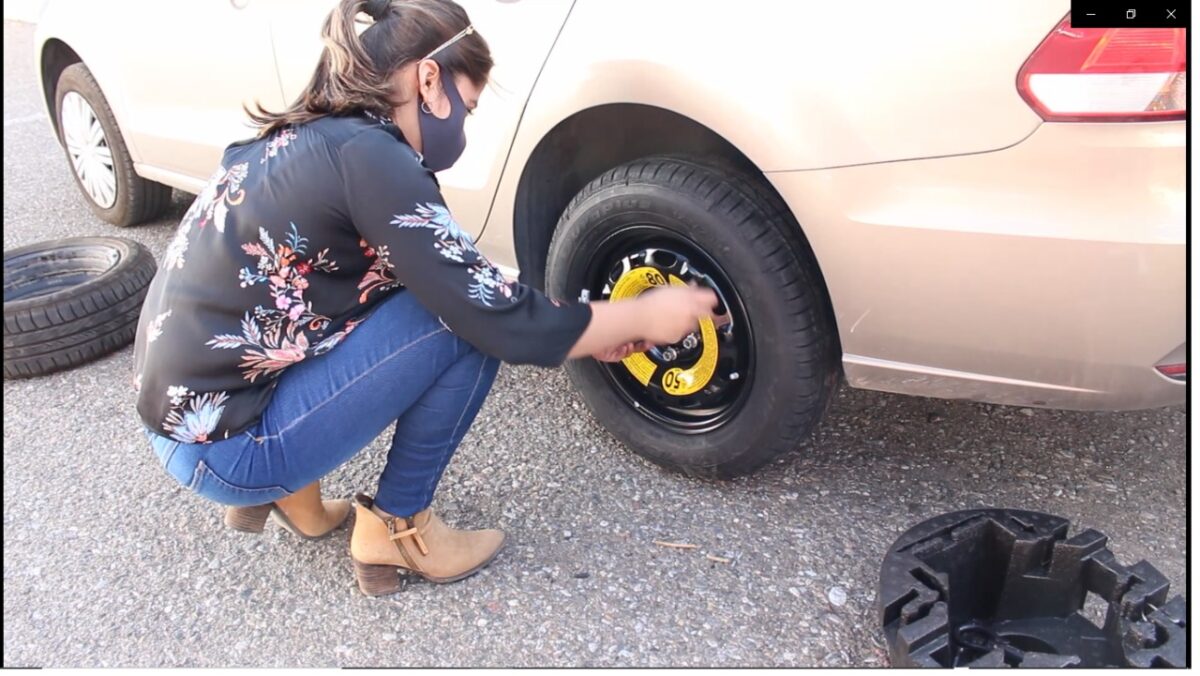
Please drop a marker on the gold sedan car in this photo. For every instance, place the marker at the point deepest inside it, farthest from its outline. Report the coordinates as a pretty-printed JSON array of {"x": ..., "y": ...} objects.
[{"x": 883, "y": 195}]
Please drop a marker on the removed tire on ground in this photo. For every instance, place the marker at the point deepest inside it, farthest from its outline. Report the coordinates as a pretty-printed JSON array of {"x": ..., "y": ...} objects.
[
  {"x": 70, "y": 301},
  {"x": 731, "y": 396}
]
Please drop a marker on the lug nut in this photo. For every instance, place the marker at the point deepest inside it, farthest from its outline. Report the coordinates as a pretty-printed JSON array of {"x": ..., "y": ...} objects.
[
  {"x": 669, "y": 354},
  {"x": 690, "y": 342}
]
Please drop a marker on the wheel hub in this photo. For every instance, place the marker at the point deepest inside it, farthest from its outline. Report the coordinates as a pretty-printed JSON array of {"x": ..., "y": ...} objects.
[
  {"x": 682, "y": 368},
  {"x": 89, "y": 150},
  {"x": 701, "y": 382},
  {"x": 691, "y": 383}
]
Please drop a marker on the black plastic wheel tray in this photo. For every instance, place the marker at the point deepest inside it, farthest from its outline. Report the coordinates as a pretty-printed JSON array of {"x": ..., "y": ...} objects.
[{"x": 1005, "y": 587}]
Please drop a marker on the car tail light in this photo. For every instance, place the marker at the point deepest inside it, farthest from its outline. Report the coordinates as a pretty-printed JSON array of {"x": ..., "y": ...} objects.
[
  {"x": 1107, "y": 74},
  {"x": 1173, "y": 371}
]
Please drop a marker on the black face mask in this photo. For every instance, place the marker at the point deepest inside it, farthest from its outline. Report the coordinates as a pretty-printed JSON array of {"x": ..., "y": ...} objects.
[{"x": 443, "y": 141}]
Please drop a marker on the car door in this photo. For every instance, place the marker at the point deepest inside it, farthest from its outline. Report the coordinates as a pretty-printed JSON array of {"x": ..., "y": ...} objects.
[
  {"x": 520, "y": 34},
  {"x": 190, "y": 66}
]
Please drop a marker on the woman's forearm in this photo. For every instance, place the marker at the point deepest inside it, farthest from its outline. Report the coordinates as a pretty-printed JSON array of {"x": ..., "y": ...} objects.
[
  {"x": 612, "y": 324},
  {"x": 659, "y": 317}
]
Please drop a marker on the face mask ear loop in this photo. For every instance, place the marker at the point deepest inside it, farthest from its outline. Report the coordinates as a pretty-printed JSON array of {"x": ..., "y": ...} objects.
[{"x": 470, "y": 29}]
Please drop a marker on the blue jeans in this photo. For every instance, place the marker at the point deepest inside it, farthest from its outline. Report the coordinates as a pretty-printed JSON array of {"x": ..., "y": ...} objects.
[{"x": 399, "y": 366}]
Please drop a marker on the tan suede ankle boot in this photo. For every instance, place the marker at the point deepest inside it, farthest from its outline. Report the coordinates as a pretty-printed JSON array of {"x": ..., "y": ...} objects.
[
  {"x": 303, "y": 512},
  {"x": 254, "y": 519},
  {"x": 422, "y": 544}
]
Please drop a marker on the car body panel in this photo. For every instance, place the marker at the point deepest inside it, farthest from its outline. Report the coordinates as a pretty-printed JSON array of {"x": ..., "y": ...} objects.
[
  {"x": 67, "y": 21},
  {"x": 186, "y": 129},
  {"x": 1052, "y": 273},
  {"x": 179, "y": 109},
  {"x": 787, "y": 87}
]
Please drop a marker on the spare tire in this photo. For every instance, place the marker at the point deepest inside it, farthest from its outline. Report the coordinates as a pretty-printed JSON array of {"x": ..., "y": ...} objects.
[
  {"x": 725, "y": 400},
  {"x": 70, "y": 301}
]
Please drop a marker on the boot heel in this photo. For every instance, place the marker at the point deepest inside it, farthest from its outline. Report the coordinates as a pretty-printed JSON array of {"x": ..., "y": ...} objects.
[
  {"x": 377, "y": 580},
  {"x": 248, "y": 519}
]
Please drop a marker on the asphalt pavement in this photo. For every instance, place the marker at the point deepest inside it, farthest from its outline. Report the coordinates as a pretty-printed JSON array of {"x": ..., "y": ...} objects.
[{"x": 109, "y": 562}]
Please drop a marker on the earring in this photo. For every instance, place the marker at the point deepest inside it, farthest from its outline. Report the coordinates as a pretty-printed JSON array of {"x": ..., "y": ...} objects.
[{"x": 425, "y": 108}]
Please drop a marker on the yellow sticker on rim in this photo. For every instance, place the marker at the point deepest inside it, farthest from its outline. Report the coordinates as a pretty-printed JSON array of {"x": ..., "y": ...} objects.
[{"x": 675, "y": 381}]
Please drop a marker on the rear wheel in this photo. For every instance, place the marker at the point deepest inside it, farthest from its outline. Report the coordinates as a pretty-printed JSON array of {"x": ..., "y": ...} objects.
[
  {"x": 727, "y": 398},
  {"x": 98, "y": 155}
]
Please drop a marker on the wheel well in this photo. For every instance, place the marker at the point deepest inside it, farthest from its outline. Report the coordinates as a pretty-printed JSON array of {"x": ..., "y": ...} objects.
[
  {"x": 595, "y": 140},
  {"x": 56, "y": 56},
  {"x": 586, "y": 145}
]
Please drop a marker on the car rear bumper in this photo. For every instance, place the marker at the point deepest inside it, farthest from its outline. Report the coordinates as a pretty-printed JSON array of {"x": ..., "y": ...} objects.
[{"x": 1051, "y": 273}]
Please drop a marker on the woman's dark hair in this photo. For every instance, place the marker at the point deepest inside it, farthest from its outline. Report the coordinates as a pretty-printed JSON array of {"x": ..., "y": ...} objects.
[{"x": 353, "y": 72}]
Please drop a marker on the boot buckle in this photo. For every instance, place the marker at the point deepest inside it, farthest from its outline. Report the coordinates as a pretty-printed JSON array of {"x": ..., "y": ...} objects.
[{"x": 394, "y": 535}]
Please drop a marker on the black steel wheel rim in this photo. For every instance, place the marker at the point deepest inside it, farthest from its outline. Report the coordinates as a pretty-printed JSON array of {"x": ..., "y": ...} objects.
[{"x": 674, "y": 255}]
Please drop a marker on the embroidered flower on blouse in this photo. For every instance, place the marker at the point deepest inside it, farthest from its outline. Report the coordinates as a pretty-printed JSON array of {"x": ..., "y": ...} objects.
[
  {"x": 281, "y": 140},
  {"x": 155, "y": 327},
  {"x": 192, "y": 418}
]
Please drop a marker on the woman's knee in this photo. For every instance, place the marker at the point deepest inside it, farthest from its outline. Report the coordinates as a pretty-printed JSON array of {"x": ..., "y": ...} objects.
[
  {"x": 491, "y": 366},
  {"x": 472, "y": 369},
  {"x": 488, "y": 365}
]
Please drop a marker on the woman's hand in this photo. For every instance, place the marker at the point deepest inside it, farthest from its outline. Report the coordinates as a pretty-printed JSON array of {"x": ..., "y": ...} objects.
[
  {"x": 621, "y": 351},
  {"x": 672, "y": 312},
  {"x": 658, "y": 317}
]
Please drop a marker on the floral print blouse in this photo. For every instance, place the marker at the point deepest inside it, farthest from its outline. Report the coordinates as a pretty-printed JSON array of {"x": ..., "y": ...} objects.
[{"x": 292, "y": 243}]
